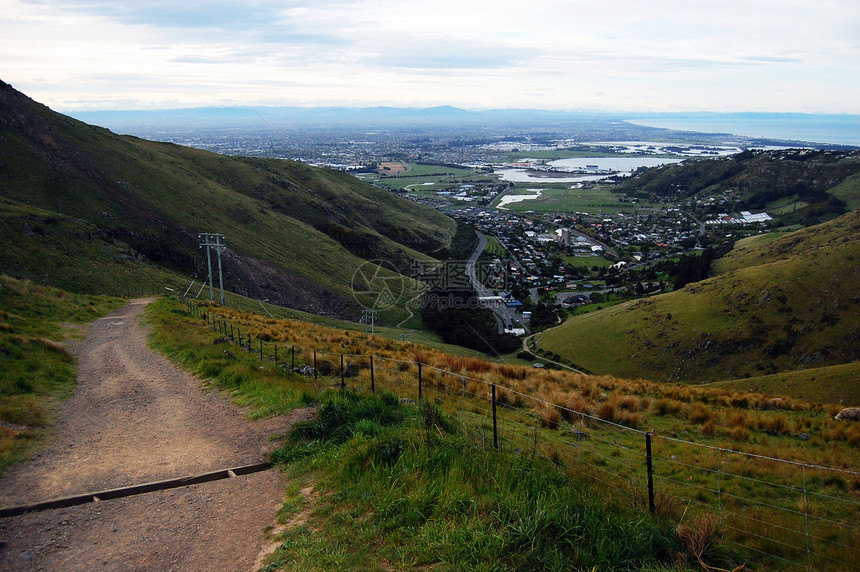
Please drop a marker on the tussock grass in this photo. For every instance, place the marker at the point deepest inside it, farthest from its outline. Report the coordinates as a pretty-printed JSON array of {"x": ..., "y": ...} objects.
[{"x": 550, "y": 415}]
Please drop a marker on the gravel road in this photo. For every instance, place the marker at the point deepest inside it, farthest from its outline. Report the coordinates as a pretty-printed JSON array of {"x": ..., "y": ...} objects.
[{"x": 135, "y": 418}]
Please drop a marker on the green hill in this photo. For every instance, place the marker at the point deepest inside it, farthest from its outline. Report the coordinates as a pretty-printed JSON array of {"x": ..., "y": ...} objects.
[
  {"x": 779, "y": 304},
  {"x": 79, "y": 198},
  {"x": 797, "y": 186}
]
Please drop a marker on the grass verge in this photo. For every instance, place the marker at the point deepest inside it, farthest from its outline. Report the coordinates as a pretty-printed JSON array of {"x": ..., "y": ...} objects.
[
  {"x": 36, "y": 368},
  {"x": 401, "y": 486}
]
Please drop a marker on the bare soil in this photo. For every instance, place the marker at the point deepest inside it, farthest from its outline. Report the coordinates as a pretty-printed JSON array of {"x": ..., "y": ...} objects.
[{"x": 135, "y": 418}]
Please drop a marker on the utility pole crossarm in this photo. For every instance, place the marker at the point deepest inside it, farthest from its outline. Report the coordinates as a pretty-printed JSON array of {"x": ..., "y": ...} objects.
[{"x": 210, "y": 240}]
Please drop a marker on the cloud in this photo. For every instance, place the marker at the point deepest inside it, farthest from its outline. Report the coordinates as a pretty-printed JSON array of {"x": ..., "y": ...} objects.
[
  {"x": 447, "y": 53},
  {"x": 217, "y": 14},
  {"x": 481, "y": 53}
]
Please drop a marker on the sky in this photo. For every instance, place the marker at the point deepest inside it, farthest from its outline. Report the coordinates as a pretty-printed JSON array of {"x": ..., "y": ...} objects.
[{"x": 611, "y": 55}]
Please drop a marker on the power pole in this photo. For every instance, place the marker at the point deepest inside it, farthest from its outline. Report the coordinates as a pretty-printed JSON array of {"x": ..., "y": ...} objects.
[
  {"x": 209, "y": 263},
  {"x": 218, "y": 245},
  {"x": 369, "y": 319}
]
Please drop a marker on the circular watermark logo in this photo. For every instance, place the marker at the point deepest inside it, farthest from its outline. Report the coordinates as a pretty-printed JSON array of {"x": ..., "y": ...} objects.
[{"x": 377, "y": 285}]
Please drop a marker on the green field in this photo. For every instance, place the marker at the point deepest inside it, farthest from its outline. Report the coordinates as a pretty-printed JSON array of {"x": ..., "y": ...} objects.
[
  {"x": 597, "y": 199},
  {"x": 834, "y": 384},
  {"x": 494, "y": 248},
  {"x": 419, "y": 177},
  {"x": 585, "y": 261}
]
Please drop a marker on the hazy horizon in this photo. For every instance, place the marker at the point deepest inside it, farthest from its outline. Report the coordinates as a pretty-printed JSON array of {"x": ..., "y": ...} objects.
[{"x": 830, "y": 129}]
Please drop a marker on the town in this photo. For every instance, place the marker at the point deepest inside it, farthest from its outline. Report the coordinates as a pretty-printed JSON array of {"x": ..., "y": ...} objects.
[{"x": 562, "y": 233}]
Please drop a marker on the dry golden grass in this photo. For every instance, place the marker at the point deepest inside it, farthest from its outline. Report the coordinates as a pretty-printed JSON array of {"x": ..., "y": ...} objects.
[
  {"x": 698, "y": 413},
  {"x": 732, "y": 414}
]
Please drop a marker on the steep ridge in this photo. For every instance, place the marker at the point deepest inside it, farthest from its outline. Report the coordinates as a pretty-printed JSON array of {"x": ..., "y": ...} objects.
[
  {"x": 780, "y": 304},
  {"x": 295, "y": 234}
]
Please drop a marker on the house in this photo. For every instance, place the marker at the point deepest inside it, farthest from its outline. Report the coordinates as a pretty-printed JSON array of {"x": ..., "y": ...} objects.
[{"x": 576, "y": 300}]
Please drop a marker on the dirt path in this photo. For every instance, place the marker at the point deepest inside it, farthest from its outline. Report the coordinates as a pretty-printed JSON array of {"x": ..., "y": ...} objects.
[{"x": 135, "y": 418}]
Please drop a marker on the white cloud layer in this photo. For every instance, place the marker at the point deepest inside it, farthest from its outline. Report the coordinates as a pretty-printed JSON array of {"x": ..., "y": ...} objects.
[{"x": 732, "y": 55}]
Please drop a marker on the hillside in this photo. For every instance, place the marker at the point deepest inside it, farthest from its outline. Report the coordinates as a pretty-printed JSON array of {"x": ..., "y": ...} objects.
[
  {"x": 796, "y": 186},
  {"x": 779, "y": 304},
  {"x": 295, "y": 234},
  {"x": 494, "y": 466}
]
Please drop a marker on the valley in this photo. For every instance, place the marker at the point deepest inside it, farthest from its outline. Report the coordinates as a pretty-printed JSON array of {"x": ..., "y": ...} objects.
[{"x": 713, "y": 347}]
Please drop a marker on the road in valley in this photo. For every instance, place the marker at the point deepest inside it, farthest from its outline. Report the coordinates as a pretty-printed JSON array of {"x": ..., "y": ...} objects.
[{"x": 504, "y": 316}]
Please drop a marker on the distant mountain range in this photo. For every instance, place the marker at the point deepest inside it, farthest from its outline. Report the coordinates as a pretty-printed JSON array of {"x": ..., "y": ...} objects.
[{"x": 833, "y": 130}]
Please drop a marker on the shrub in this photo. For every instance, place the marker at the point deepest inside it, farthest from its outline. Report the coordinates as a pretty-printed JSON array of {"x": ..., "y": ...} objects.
[
  {"x": 607, "y": 410},
  {"x": 629, "y": 403},
  {"x": 631, "y": 420},
  {"x": 698, "y": 413},
  {"x": 512, "y": 372},
  {"x": 740, "y": 434},
  {"x": 548, "y": 414},
  {"x": 777, "y": 425},
  {"x": 737, "y": 419},
  {"x": 665, "y": 406}
]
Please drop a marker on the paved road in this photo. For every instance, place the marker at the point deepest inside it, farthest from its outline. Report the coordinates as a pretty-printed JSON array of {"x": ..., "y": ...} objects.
[
  {"x": 544, "y": 359},
  {"x": 504, "y": 317}
]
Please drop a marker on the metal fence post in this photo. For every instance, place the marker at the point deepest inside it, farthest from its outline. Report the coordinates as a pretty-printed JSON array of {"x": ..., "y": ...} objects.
[
  {"x": 495, "y": 422},
  {"x": 650, "y": 472}
]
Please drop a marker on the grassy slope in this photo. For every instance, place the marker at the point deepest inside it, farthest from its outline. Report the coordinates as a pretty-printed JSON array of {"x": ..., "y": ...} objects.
[
  {"x": 368, "y": 487},
  {"x": 420, "y": 492},
  {"x": 286, "y": 218},
  {"x": 848, "y": 191},
  {"x": 35, "y": 368},
  {"x": 778, "y": 305},
  {"x": 72, "y": 254},
  {"x": 794, "y": 185},
  {"x": 833, "y": 384}
]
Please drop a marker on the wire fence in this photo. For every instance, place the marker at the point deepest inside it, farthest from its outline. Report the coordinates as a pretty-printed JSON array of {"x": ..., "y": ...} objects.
[{"x": 782, "y": 514}]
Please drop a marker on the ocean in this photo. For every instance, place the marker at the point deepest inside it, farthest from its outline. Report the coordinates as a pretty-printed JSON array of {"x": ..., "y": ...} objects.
[{"x": 826, "y": 129}]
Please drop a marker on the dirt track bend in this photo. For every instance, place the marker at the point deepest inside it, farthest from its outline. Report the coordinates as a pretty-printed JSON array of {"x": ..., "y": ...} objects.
[{"x": 135, "y": 418}]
